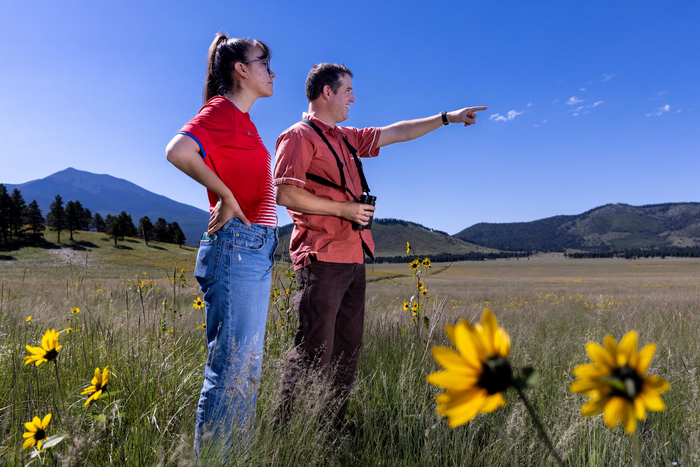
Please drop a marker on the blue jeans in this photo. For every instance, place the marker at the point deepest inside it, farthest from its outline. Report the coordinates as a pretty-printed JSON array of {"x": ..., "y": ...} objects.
[{"x": 234, "y": 272}]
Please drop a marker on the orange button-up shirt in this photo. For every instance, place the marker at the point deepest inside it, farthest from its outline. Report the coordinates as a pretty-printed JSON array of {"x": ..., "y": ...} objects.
[{"x": 300, "y": 150}]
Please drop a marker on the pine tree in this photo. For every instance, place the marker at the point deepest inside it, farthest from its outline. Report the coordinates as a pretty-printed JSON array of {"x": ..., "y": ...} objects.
[
  {"x": 178, "y": 234},
  {"x": 85, "y": 220},
  {"x": 160, "y": 231},
  {"x": 98, "y": 223},
  {"x": 56, "y": 218},
  {"x": 126, "y": 225},
  {"x": 5, "y": 209},
  {"x": 72, "y": 217},
  {"x": 33, "y": 217},
  {"x": 112, "y": 228},
  {"x": 145, "y": 229},
  {"x": 17, "y": 207}
]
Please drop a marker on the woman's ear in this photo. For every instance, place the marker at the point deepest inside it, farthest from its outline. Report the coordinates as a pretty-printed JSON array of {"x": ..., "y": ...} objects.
[{"x": 240, "y": 68}]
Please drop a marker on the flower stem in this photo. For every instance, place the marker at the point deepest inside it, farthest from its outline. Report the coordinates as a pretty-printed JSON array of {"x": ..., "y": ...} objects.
[
  {"x": 635, "y": 450},
  {"x": 60, "y": 388},
  {"x": 540, "y": 429}
]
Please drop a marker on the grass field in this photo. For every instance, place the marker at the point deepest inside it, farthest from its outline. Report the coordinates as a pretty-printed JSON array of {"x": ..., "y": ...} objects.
[{"x": 550, "y": 306}]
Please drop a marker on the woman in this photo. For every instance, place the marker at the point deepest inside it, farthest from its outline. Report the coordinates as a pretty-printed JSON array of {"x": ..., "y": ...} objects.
[{"x": 221, "y": 149}]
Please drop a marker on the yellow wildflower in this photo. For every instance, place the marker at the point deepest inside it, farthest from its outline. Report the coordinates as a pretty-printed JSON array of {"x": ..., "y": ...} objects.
[
  {"x": 48, "y": 350},
  {"x": 97, "y": 385},
  {"x": 406, "y": 306},
  {"x": 36, "y": 432},
  {"x": 617, "y": 384},
  {"x": 29, "y": 319},
  {"x": 414, "y": 264},
  {"x": 198, "y": 303},
  {"x": 426, "y": 262},
  {"x": 75, "y": 310},
  {"x": 477, "y": 374}
]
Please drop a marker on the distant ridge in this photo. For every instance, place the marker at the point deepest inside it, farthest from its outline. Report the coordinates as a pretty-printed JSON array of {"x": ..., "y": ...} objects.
[
  {"x": 613, "y": 226},
  {"x": 106, "y": 194}
]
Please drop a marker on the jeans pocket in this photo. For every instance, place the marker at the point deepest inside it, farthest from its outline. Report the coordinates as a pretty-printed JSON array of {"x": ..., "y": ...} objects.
[
  {"x": 207, "y": 261},
  {"x": 247, "y": 240}
]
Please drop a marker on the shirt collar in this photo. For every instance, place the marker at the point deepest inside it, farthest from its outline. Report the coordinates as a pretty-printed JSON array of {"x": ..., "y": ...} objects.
[{"x": 324, "y": 127}]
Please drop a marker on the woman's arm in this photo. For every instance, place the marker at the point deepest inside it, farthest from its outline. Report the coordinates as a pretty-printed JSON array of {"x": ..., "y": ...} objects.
[{"x": 183, "y": 153}]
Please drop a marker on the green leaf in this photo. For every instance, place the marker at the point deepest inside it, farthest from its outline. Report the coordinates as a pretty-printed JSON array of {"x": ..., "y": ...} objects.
[
  {"x": 52, "y": 441},
  {"x": 426, "y": 321},
  {"x": 529, "y": 379},
  {"x": 403, "y": 331},
  {"x": 289, "y": 274},
  {"x": 102, "y": 418}
]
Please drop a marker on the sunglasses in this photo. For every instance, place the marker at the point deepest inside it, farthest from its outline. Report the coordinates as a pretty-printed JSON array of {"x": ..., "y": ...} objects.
[{"x": 267, "y": 64}]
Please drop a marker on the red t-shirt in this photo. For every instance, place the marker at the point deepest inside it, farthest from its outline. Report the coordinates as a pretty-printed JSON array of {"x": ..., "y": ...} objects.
[
  {"x": 301, "y": 150},
  {"x": 231, "y": 147}
]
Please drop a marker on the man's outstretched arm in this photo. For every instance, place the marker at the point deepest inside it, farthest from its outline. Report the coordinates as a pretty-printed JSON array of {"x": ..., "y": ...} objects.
[{"x": 412, "y": 129}]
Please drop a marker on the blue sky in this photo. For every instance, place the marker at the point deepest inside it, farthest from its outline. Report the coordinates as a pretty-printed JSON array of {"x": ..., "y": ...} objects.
[{"x": 589, "y": 102}]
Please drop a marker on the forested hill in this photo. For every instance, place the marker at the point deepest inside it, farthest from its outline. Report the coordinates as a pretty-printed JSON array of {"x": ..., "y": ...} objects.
[{"x": 613, "y": 226}]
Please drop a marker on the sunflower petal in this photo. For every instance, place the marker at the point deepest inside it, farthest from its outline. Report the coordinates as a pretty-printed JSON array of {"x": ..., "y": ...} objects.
[
  {"x": 584, "y": 386},
  {"x": 628, "y": 419},
  {"x": 639, "y": 409},
  {"x": 610, "y": 344},
  {"x": 467, "y": 411},
  {"x": 493, "y": 402},
  {"x": 45, "y": 421},
  {"x": 600, "y": 356},
  {"x": 627, "y": 351},
  {"x": 652, "y": 400},
  {"x": 502, "y": 343},
  {"x": 39, "y": 444},
  {"x": 614, "y": 411},
  {"x": 452, "y": 361},
  {"x": 594, "y": 406},
  {"x": 656, "y": 383},
  {"x": 29, "y": 442},
  {"x": 29, "y": 426},
  {"x": 644, "y": 358},
  {"x": 452, "y": 380},
  {"x": 488, "y": 336},
  {"x": 589, "y": 370},
  {"x": 467, "y": 344}
]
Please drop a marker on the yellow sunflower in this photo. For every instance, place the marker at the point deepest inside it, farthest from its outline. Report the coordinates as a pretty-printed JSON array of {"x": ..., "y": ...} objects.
[
  {"x": 426, "y": 262},
  {"x": 97, "y": 385},
  {"x": 617, "y": 384},
  {"x": 477, "y": 374},
  {"x": 36, "y": 432},
  {"x": 420, "y": 285},
  {"x": 69, "y": 330},
  {"x": 29, "y": 319},
  {"x": 75, "y": 310},
  {"x": 48, "y": 350},
  {"x": 408, "y": 247},
  {"x": 414, "y": 307},
  {"x": 414, "y": 264},
  {"x": 198, "y": 303},
  {"x": 424, "y": 292},
  {"x": 406, "y": 305}
]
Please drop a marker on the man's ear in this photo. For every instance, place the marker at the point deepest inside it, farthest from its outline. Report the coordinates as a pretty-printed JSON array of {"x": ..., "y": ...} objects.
[
  {"x": 240, "y": 69},
  {"x": 327, "y": 92}
]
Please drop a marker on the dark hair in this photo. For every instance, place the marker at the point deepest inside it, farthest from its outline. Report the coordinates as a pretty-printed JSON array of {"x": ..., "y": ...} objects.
[
  {"x": 324, "y": 74},
  {"x": 223, "y": 55}
]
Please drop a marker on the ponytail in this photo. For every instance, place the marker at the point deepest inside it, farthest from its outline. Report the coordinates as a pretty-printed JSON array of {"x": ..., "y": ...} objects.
[{"x": 223, "y": 55}]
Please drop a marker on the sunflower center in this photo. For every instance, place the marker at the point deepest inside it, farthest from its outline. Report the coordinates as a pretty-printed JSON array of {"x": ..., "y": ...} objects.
[
  {"x": 496, "y": 376},
  {"x": 51, "y": 354},
  {"x": 626, "y": 383},
  {"x": 40, "y": 434}
]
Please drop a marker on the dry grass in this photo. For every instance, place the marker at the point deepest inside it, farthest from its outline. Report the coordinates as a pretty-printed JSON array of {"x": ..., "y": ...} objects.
[{"x": 551, "y": 307}]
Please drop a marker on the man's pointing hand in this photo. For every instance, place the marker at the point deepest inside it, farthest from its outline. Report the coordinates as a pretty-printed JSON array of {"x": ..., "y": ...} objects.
[{"x": 466, "y": 115}]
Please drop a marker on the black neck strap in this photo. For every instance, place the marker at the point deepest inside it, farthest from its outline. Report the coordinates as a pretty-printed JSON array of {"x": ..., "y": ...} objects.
[{"x": 341, "y": 168}]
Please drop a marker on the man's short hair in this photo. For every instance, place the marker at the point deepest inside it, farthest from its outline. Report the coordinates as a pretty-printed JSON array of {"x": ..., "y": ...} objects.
[{"x": 324, "y": 74}]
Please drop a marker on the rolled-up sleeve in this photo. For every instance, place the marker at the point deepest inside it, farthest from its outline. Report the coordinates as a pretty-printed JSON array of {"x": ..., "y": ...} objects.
[
  {"x": 293, "y": 154},
  {"x": 367, "y": 140}
]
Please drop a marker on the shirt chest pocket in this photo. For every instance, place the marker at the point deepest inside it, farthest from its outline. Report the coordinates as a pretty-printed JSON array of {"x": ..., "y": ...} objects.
[{"x": 248, "y": 241}]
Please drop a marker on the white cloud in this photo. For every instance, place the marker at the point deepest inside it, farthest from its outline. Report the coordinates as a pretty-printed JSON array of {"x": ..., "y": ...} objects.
[
  {"x": 576, "y": 114},
  {"x": 678, "y": 111},
  {"x": 573, "y": 100},
  {"x": 509, "y": 116},
  {"x": 530, "y": 104},
  {"x": 660, "y": 111},
  {"x": 581, "y": 107},
  {"x": 536, "y": 126},
  {"x": 555, "y": 101},
  {"x": 608, "y": 77},
  {"x": 582, "y": 89},
  {"x": 661, "y": 93},
  {"x": 544, "y": 121}
]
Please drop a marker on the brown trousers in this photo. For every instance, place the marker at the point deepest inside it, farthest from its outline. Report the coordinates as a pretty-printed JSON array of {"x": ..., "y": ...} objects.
[{"x": 331, "y": 306}]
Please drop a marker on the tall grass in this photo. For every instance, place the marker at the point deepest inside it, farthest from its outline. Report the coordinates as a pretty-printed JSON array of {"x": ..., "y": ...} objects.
[{"x": 149, "y": 417}]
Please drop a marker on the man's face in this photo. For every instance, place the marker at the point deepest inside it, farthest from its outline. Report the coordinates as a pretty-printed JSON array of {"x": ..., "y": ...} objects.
[{"x": 340, "y": 101}]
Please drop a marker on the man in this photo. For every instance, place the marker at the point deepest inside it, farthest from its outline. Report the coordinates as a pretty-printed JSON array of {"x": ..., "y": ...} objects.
[{"x": 320, "y": 183}]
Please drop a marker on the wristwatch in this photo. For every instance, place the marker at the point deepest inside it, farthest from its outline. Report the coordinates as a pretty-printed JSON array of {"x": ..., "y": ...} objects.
[{"x": 444, "y": 117}]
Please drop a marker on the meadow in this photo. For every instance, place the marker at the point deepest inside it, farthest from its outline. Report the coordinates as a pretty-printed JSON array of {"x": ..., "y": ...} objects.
[{"x": 137, "y": 316}]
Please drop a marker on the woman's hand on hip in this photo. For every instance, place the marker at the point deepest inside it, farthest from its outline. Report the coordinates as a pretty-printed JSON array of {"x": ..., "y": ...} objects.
[{"x": 223, "y": 212}]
